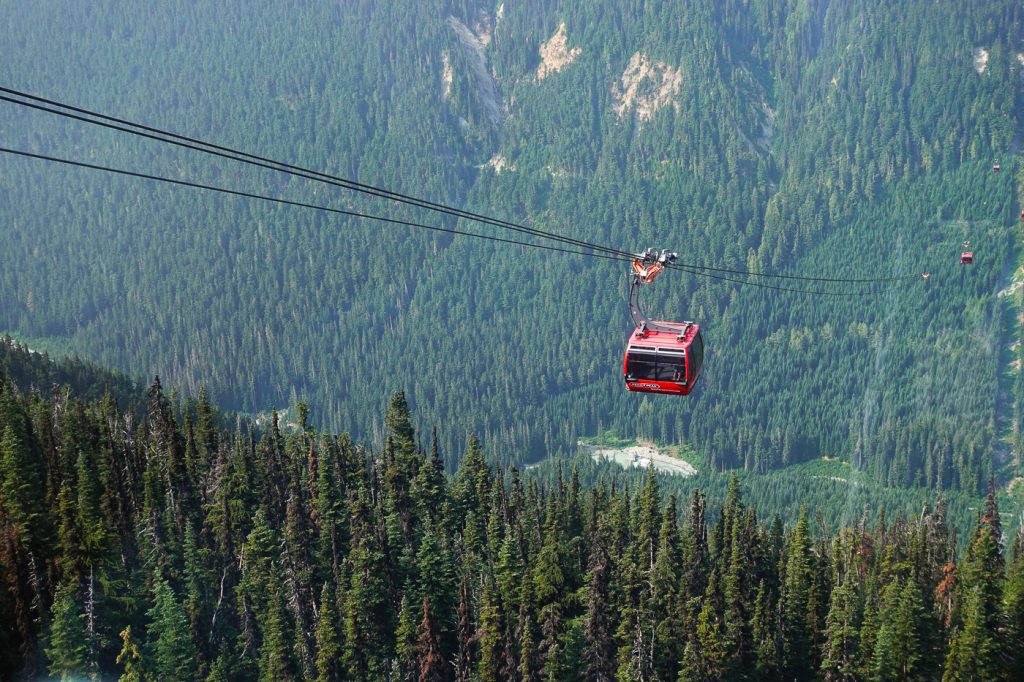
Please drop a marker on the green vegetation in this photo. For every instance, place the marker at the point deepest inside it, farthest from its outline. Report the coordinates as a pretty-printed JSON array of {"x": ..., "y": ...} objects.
[
  {"x": 157, "y": 546},
  {"x": 36, "y": 370},
  {"x": 848, "y": 139},
  {"x": 838, "y": 494},
  {"x": 608, "y": 439},
  {"x": 53, "y": 346}
]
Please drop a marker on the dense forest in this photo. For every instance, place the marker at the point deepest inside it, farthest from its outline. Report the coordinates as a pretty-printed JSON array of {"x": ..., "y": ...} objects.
[
  {"x": 159, "y": 546},
  {"x": 843, "y": 139}
]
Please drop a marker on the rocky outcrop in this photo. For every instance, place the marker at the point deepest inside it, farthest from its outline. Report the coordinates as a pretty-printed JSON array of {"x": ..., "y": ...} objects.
[
  {"x": 644, "y": 88},
  {"x": 555, "y": 54}
]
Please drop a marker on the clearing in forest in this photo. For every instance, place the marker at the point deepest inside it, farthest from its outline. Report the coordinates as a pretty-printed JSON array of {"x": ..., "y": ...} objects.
[{"x": 641, "y": 456}]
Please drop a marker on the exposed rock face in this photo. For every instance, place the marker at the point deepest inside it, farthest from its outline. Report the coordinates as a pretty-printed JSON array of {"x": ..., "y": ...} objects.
[
  {"x": 446, "y": 74},
  {"x": 555, "y": 54},
  {"x": 483, "y": 27},
  {"x": 486, "y": 87},
  {"x": 767, "y": 120},
  {"x": 980, "y": 59},
  {"x": 645, "y": 88},
  {"x": 498, "y": 163}
]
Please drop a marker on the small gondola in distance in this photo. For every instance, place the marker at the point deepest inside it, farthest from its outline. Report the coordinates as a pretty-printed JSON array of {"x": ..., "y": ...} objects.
[{"x": 967, "y": 255}]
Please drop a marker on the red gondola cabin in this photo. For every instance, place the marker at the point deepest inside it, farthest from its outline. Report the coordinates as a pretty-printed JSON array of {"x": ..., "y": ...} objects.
[
  {"x": 661, "y": 357},
  {"x": 967, "y": 258},
  {"x": 663, "y": 361}
]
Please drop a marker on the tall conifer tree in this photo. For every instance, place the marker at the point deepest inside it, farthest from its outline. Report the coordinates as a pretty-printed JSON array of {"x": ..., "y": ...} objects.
[
  {"x": 170, "y": 651},
  {"x": 976, "y": 645},
  {"x": 796, "y": 644}
]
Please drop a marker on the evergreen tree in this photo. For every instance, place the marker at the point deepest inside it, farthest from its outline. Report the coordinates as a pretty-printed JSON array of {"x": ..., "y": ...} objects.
[
  {"x": 648, "y": 522},
  {"x": 705, "y": 655},
  {"x": 260, "y": 575},
  {"x": 739, "y": 579},
  {"x": 197, "y": 581},
  {"x": 399, "y": 423},
  {"x": 221, "y": 670},
  {"x": 548, "y": 576},
  {"x": 276, "y": 661},
  {"x": 766, "y": 636},
  {"x": 469, "y": 491},
  {"x": 328, "y": 638},
  {"x": 973, "y": 651},
  {"x": 899, "y": 651},
  {"x": 21, "y": 481},
  {"x": 170, "y": 651},
  {"x": 667, "y": 598},
  {"x": 507, "y": 572},
  {"x": 92, "y": 539},
  {"x": 629, "y": 634},
  {"x": 796, "y": 645},
  {"x": 429, "y": 487},
  {"x": 695, "y": 548},
  {"x": 436, "y": 580},
  {"x": 529, "y": 666},
  {"x": 489, "y": 636},
  {"x": 642, "y": 609},
  {"x": 868, "y": 629},
  {"x": 598, "y": 653},
  {"x": 298, "y": 574},
  {"x": 842, "y": 634},
  {"x": 370, "y": 620},
  {"x": 330, "y": 515},
  {"x": 23, "y": 525},
  {"x": 68, "y": 645},
  {"x": 1013, "y": 601},
  {"x": 977, "y": 642},
  {"x": 207, "y": 438},
  {"x": 406, "y": 641},
  {"x": 551, "y": 648},
  {"x": 227, "y": 506}
]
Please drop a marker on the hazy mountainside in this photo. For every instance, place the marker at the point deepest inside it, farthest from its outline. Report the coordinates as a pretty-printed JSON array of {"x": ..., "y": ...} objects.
[
  {"x": 845, "y": 139},
  {"x": 35, "y": 371},
  {"x": 153, "y": 545}
]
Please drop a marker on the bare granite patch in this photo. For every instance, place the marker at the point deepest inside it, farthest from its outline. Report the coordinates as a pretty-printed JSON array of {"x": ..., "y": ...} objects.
[
  {"x": 642, "y": 457},
  {"x": 646, "y": 87},
  {"x": 555, "y": 54},
  {"x": 980, "y": 59}
]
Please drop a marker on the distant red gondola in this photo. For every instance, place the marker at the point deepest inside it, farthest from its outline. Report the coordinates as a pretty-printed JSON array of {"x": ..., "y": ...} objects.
[
  {"x": 967, "y": 256},
  {"x": 995, "y": 167},
  {"x": 661, "y": 357}
]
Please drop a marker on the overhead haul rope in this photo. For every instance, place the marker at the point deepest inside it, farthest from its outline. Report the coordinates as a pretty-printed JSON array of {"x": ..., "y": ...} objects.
[
  {"x": 194, "y": 144},
  {"x": 157, "y": 134},
  {"x": 844, "y": 280},
  {"x": 289, "y": 202},
  {"x": 747, "y": 282},
  {"x": 394, "y": 221}
]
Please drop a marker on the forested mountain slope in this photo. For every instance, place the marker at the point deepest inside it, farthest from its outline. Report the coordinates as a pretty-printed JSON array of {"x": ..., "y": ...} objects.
[
  {"x": 153, "y": 545},
  {"x": 846, "y": 139},
  {"x": 35, "y": 371}
]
